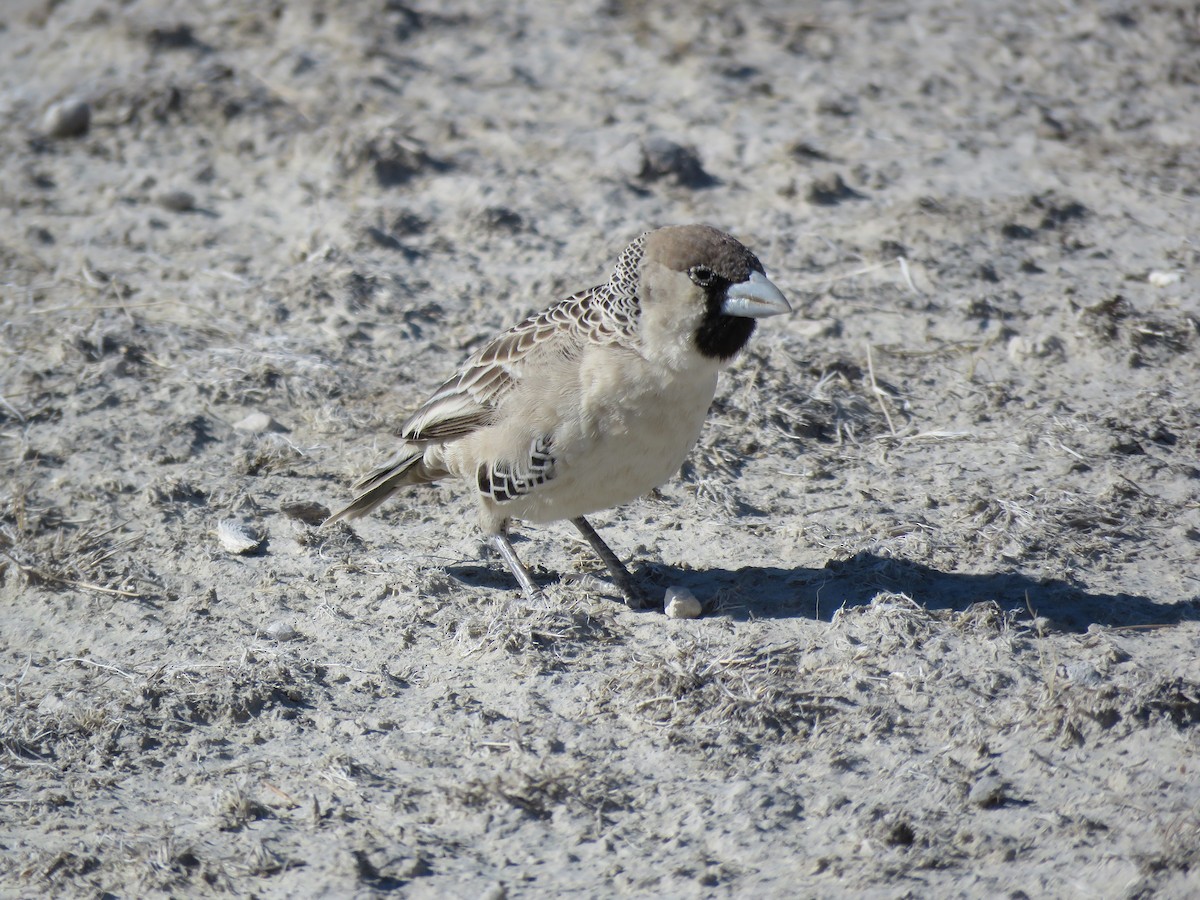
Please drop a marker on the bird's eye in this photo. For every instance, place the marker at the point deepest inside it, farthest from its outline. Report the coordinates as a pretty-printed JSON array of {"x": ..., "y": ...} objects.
[{"x": 701, "y": 275}]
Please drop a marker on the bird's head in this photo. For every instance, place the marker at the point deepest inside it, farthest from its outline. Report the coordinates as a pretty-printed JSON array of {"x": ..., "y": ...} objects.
[{"x": 700, "y": 290}]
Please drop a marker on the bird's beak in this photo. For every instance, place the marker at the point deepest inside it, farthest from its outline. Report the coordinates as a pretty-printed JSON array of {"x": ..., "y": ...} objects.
[{"x": 755, "y": 298}]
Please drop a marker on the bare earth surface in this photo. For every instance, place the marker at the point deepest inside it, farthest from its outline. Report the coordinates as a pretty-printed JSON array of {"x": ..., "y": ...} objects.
[{"x": 945, "y": 520}]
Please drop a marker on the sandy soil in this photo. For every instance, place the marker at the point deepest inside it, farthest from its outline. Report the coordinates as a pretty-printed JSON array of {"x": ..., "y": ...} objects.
[{"x": 945, "y": 520}]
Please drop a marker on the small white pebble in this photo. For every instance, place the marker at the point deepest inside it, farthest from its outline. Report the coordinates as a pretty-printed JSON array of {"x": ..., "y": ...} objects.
[
  {"x": 254, "y": 423},
  {"x": 281, "y": 631},
  {"x": 1164, "y": 279},
  {"x": 988, "y": 792},
  {"x": 1085, "y": 674},
  {"x": 70, "y": 118},
  {"x": 237, "y": 537},
  {"x": 681, "y": 603}
]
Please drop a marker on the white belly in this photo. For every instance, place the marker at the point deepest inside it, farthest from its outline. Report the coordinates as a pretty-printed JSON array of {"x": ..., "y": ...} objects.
[
  {"x": 617, "y": 466},
  {"x": 637, "y": 427},
  {"x": 619, "y": 426}
]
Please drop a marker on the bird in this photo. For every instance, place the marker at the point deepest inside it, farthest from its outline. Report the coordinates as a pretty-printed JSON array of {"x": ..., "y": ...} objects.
[{"x": 592, "y": 402}]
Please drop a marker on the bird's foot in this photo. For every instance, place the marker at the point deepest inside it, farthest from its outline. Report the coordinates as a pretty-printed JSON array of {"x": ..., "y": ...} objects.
[
  {"x": 631, "y": 594},
  {"x": 634, "y": 596}
]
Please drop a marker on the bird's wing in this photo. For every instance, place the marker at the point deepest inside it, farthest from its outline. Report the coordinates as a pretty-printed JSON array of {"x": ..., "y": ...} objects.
[{"x": 469, "y": 399}]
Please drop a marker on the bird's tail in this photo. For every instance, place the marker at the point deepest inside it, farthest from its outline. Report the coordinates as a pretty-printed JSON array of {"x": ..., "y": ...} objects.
[{"x": 412, "y": 465}]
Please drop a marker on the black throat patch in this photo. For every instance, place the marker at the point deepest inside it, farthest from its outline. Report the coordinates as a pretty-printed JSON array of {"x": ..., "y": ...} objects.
[{"x": 721, "y": 336}]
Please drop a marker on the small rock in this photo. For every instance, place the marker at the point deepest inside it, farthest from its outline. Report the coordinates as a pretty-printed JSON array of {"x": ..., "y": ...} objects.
[
  {"x": 254, "y": 423},
  {"x": 281, "y": 631},
  {"x": 988, "y": 792},
  {"x": 681, "y": 603},
  {"x": 1083, "y": 673},
  {"x": 662, "y": 158},
  {"x": 237, "y": 537},
  {"x": 1164, "y": 279},
  {"x": 177, "y": 201},
  {"x": 831, "y": 190},
  {"x": 68, "y": 118}
]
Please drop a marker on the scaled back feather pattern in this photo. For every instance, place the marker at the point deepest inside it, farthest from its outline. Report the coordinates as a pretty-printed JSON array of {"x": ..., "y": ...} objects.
[{"x": 592, "y": 402}]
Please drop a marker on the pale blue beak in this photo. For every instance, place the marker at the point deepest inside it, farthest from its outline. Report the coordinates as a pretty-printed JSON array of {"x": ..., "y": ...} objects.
[{"x": 755, "y": 298}]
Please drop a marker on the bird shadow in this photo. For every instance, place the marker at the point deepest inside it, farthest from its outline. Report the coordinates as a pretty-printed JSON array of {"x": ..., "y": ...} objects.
[
  {"x": 766, "y": 592},
  {"x": 773, "y": 592}
]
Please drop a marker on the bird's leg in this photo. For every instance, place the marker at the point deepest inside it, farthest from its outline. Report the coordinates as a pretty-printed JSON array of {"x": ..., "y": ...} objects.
[
  {"x": 634, "y": 596},
  {"x": 502, "y": 545}
]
